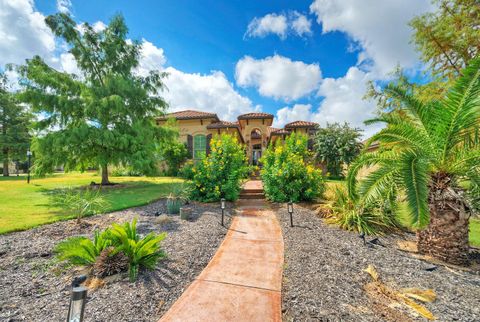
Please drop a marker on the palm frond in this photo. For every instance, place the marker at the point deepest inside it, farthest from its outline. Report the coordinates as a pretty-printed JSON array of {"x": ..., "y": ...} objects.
[
  {"x": 414, "y": 173},
  {"x": 461, "y": 108},
  {"x": 378, "y": 183}
]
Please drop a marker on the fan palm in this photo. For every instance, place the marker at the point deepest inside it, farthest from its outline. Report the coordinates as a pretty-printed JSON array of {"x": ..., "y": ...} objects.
[{"x": 422, "y": 153}]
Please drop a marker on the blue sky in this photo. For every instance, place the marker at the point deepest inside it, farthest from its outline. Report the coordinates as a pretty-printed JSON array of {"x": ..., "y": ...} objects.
[{"x": 295, "y": 59}]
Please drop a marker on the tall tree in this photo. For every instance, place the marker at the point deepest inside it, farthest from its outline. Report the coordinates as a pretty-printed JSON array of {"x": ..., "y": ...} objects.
[
  {"x": 14, "y": 126},
  {"x": 449, "y": 38},
  {"x": 421, "y": 154},
  {"x": 337, "y": 145},
  {"x": 105, "y": 115}
]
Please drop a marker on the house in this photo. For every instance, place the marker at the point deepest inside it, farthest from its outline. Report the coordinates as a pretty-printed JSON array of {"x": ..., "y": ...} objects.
[{"x": 253, "y": 129}]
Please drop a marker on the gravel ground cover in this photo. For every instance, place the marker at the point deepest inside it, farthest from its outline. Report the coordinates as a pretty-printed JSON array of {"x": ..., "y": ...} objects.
[
  {"x": 34, "y": 287},
  {"x": 324, "y": 278}
]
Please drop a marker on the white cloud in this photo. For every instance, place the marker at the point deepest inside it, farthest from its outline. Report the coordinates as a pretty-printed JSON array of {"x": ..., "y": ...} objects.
[
  {"x": 64, "y": 6},
  {"x": 99, "y": 26},
  {"x": 268, "y": 24},
  {"x": 69, "y": 64},
  {"x": 280, "y": 25},
  {"x": 342, "y": 102},
  {"x": 23, "y": 32},
  {"x": 212, "y": 92},
  {"x": 278, "y": 77},
  {"x": 290, "y": 114},
  {"x": 152, "y": 58},
  {"x": 300, "y": 24},
  {"x": 380, "y": 27}
]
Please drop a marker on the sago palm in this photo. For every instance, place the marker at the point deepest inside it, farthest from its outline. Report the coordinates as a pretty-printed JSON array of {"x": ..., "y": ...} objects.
[{"x": 422, "y": 153}]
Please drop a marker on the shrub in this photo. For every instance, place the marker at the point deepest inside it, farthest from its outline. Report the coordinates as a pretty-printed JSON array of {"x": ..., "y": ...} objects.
[
  {"x": 177, "y": 197},
  {"x": 80, "y": 202},
  {"x": 171, "y": 150},
  {"x": 219, "y": 174},
  {"x": 174, "y": 154},
  {"x": 113, "y": 250},
  {"x": 141, "y": 252},
  {"x": 337, "y": 145},
  {"x": 125, "y": 171},
  {"x": 288, "y": 173},
  {"x": 186, "y": 170},
  {"x": 81, "y": 250},
  {"x": 372, "y": 219}
]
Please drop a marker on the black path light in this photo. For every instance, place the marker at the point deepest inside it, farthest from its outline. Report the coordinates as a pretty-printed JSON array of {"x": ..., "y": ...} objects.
[
  {"x": 77, "y": 300},
  {"x": 29, "y": 157},
  {"x": 290, "y": 211},
  {"x": 222, "y": 205}
]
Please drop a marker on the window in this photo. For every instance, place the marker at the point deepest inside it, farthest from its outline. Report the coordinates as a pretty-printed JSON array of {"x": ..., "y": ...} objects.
[{"x": 199, "y": 146}]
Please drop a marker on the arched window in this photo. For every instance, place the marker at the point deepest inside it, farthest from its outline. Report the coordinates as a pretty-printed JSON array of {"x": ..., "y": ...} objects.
[{"x": 199, "y": 146}]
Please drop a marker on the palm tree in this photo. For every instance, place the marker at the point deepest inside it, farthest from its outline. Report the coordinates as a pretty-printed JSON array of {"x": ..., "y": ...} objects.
[{"x": 422, "y": 153}]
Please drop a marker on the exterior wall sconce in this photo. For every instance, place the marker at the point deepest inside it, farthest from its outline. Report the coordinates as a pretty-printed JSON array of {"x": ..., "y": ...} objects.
[
  {"x": 290, "y": 211},
  {"x": 222, "y": 205}
]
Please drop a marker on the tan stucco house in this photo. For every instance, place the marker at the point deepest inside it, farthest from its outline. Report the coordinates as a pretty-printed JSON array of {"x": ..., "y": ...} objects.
[{"x": 253, "y": 129}]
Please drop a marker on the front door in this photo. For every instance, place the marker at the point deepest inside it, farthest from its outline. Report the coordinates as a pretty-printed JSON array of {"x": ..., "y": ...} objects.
[{"x": 256, "y": 155}]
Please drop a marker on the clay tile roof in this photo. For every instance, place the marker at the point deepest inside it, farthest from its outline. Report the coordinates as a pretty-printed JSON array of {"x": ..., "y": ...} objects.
[
  {"x": 301, "y": 124},
  {"x": 255, "y": 115},
  {"x": 189, "y": 115},
  {"x": 222, "y": 124},
  {"x": 279, "y": 132},
  {"x": 270, "y": 130}
]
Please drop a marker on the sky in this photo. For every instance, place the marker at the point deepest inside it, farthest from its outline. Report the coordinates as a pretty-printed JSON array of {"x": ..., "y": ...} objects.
[{"x": 299, "y": 60}]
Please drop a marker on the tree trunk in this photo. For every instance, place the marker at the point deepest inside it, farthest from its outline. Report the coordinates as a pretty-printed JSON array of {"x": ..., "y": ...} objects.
[
  {"x": 105, "y": 175},
  {"x": 5, "y": 163},
  {"x": 446, "y": 237}
]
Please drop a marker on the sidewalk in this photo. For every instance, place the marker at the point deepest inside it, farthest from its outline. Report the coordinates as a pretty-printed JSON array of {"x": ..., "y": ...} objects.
[{"x": 243, "y": 281}]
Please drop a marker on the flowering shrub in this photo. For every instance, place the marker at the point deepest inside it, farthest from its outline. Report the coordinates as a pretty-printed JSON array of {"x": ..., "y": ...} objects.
[
  {"x": 219, "y": 174},
  {"x": 288, "y": 174}
]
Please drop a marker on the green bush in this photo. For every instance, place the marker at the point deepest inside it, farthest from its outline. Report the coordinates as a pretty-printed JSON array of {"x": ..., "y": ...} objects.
[
  {"x": 288, "y": 173},
  {"x": 174, "y": 154},
  {"x": 374, "y": 218},
  {"x": 125, "y": 171},
  {"x": 171, "y": 150},
  {"x": 219, "y": 174},
  {"x": 186, "y": 170},
  {"x": 81, "y": 250},
  {"x": 80, "y": 202},
  {"x": 141, "y": 252}
]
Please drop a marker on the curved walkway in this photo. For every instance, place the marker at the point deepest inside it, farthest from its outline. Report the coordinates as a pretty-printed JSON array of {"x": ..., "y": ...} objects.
[{"x": 243, "y": 281}]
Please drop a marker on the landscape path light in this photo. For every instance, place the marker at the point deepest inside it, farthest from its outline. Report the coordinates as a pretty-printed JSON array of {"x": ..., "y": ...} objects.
[
  {"x": 29, "y": 157},
  {"x": 222, "y": 205},
  {"x": 290, "y": 211},
  {"x": 77, "y": 300}
]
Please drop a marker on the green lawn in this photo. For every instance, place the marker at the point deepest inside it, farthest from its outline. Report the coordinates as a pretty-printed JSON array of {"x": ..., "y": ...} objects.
[{"x": 25, "y": 205}]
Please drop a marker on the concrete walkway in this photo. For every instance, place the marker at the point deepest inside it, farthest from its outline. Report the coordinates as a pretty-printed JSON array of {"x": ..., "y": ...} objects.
[{"x": 243, "y": 281}]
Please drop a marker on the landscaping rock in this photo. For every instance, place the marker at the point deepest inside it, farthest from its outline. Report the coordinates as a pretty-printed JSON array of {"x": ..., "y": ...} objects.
[
  {"x": 324, "y": 278},
  {"x": 37, "y": 288}
]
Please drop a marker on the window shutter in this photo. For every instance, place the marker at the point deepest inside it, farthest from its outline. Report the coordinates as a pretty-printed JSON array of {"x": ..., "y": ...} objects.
[
  {"x": 190, "y": 146},
  {"x": 209, "y": 138}
]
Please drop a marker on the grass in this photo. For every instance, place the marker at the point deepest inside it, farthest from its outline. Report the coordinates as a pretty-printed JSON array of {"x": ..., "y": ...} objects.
[
  {"x": 403, "y": 214},
  {"x": 26, "y": 206}
]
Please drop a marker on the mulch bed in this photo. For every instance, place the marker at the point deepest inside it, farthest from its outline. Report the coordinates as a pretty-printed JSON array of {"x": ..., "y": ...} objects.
[
  {"x": 324, "y": 277},
  {"x": 34, "y": 287}
]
